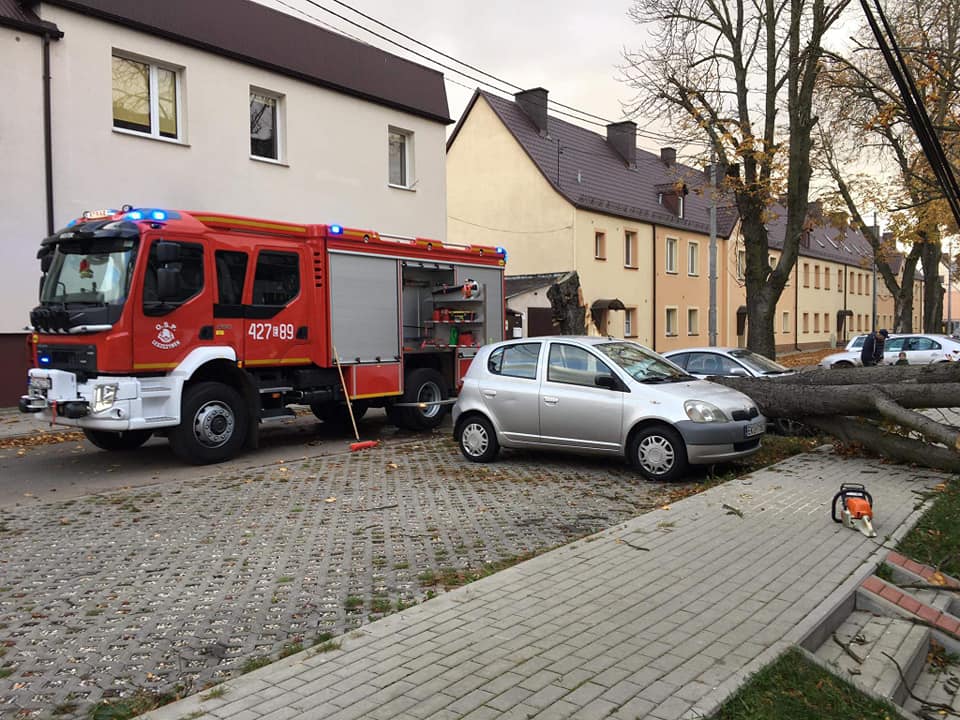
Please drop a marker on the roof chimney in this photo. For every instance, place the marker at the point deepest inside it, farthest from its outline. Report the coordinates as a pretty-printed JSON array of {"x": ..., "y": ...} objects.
[
  {"x": 668, "y": 156},
  {"x": 622, "y": 137},
  {"x": 534, "y": 103}
]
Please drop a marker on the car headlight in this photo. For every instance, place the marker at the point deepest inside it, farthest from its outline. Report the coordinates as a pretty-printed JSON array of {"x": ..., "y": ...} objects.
[
  {"x": 703, "y": 412},
  {"x": 103, "y": 397}
]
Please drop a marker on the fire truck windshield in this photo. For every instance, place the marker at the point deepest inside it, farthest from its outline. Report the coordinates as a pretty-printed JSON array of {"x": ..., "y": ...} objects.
[{"x": 90, "y": 272}]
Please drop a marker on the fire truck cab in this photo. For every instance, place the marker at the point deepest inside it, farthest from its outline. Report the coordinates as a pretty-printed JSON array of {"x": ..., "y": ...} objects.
[{"x": 201, "y": 326}]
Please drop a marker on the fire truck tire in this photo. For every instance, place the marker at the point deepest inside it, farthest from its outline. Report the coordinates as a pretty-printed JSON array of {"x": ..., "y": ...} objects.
[
  {"x": 423, "y": 385},
  {"x": 213, "y": 424},
  {"x": 124, "y": 440},
  {"x": 336, "y": 414}
]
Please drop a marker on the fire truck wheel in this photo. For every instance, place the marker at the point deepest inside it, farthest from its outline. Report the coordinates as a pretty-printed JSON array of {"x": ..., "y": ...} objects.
[
  {"x": 423, "y": 385},
  {"x": 124, "y": 440},
  {"x": 336, "y": 414},
  {"x": 213, "y": 424}
]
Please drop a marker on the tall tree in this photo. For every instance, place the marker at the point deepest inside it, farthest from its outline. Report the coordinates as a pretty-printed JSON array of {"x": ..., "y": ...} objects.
[
  {"x": 724, "y": 72},
  {"x": 863, "y": 109}
]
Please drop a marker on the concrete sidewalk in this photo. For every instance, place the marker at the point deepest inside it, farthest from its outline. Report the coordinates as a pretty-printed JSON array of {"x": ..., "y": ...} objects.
[{"x": 661, "y": 617}]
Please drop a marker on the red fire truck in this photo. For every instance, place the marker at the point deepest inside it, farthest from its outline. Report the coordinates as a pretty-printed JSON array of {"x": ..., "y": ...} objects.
[{"x": 200, "y": 326}]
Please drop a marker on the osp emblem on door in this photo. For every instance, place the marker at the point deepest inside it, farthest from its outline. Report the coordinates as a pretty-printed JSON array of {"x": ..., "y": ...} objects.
[{"x": 166, "y": 339}]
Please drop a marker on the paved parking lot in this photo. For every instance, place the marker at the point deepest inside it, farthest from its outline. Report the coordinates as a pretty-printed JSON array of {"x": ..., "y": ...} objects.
[{"x": 186, "y": 583}]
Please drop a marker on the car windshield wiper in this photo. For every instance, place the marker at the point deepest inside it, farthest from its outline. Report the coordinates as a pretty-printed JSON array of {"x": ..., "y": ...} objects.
[{"x": 666, "y": 378}]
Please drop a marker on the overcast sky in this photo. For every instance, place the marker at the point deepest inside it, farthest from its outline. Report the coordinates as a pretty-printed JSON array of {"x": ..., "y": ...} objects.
[{"x": 570, "y": 47}]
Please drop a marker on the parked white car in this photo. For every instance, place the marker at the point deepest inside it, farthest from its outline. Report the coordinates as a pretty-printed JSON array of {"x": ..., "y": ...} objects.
[
  {"x": 920, "y": 350},
  {"x": 599, "y": 395}
]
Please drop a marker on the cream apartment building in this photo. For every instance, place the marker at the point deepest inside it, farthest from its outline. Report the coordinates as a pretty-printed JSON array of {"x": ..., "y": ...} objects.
[
  {"x": 633, "y": 225},
  {"x": 221, "y": 105}
]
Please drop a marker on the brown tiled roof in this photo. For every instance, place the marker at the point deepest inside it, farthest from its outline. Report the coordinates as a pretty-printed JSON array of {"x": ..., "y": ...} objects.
[
  {"x": 825, "y": 241},
  {"x": 255, "y": 34},
  {"x": 15, "y": 15},
  {"x": 591, "y": 175}
]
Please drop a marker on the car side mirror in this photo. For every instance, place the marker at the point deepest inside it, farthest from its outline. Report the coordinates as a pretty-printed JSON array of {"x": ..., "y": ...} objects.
[
  {"x": 167, "y": 252},
  {"x": 606, "y": 381},
  {"x": 167, "y": 283}
]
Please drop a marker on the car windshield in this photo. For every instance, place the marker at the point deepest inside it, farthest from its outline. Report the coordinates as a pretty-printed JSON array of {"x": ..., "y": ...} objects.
[
  {"x": 93, "y": 272},
  {"x": 758, "y": 363},
  {"x": 641, "y": 364}
]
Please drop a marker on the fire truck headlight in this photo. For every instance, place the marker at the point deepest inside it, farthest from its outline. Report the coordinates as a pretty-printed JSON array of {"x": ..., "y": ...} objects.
[{"x": 104, "y": 397}]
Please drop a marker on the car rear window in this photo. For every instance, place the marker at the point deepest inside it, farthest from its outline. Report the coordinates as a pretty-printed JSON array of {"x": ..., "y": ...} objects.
[{"x": 515, "y": 361}]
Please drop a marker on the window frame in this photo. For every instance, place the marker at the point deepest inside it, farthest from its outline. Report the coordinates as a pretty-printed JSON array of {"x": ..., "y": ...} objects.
[
  {"x": 785, "y": 319},
  {"x": 741, "y": 264},
  {"x": 631, "y": 249},
  {"x": 599, "y": 245},
  {"x": 629, "y": 322},
  {"x": 408, "y": 158},
  {"x": 693, "y": 253},
  {"x": 675, "y": 312},
  {"x": 278, "y": 126},
  {"x": 671, "y": 251},
  {"x": 154, "y": 101},
  {"x": 693, "y": 328},
  {"x": 500, "y": 351}
]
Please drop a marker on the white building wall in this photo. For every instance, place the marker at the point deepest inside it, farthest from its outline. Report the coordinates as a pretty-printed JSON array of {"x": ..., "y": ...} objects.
[
  {"x": 336, "y": 160},
  {"x": 22, "y": 188}
]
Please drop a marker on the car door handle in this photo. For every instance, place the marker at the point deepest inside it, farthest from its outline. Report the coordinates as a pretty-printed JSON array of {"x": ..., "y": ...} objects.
[
  {"x": 550, "y": 400},
  {"x": 489, "y": 393}
]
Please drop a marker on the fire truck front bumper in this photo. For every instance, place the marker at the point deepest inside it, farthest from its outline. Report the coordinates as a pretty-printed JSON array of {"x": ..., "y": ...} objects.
[{"x": 101, "y": 403}]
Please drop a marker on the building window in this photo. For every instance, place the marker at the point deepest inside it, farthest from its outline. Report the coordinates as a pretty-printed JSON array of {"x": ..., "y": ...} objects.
[
  {"x": 806, "y": 322},
  {"x": 671, "y": 325},
  {"x": 672, "y": 255},
  {"x": 826, "y": 278},
  {"x": 629, "y": 322},
  {"x": 826, "y": 322},
  {"x": 850, "y": 282},
  {"x": 600, "y": 246},
  {"x": 816, "y": 322},
  {"x": 786, "y": 322},
  {"x": 693, "y": 321},
  {"x": 146, "y": 98},
  {"x": 741, "y": 264},
  {"x": 629, "y": 249},
  {"x": 693, "y": 258},
  {"x": 839, "y": 279},
  {"x": 806, "y": 275},
  {"x": 265, "y": 124},
  {"x": 859, "y": 283},
  {"x": 859, "y": 323},
  {"x": 401, "y": 157},
  {"x": 816, "y": 277}
]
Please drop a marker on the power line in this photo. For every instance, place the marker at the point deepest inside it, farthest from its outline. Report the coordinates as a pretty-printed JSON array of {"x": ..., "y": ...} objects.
[{"x": 580, "y": 116}]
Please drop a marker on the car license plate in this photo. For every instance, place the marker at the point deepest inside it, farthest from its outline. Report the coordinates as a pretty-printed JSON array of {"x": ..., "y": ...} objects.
[
  {"x": 40, "y": 383},
  {"x": 751, "y": 430}
]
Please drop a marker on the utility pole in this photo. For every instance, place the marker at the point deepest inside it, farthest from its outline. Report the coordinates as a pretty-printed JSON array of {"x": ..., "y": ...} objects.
[
  {"x": 876, "y": 234},
  {"x": 712, "y": 315}
]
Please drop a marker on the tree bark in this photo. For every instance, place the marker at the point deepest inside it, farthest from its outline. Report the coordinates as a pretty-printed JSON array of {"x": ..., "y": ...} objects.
[
  {"x": 873, "y": 406},
  {"x": 568, "y": 311}
]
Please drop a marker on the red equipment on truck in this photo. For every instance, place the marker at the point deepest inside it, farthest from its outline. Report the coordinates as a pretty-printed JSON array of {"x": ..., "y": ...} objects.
[{"x": 200, "y": 326}]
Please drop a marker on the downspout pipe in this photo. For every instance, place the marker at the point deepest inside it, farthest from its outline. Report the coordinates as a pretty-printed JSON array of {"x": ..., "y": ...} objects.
[
  {"x": 796, "y": 306},
  {"x": 653, "y": 305},
  {"x": 48, "y": 132}
]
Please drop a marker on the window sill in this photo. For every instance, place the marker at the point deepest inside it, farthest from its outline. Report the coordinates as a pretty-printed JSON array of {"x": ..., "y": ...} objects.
[
  {"x": 145, "y": 136},
  {"x": 671, "y": 272},
  {"x": 693, "y": 274},
  {"x": 407, "y": 188},
  {"x": 269, "y": 161},
  {"x": 631, "y": 267},
  {"x": 599, "y": 258},
  {"x": 670, "y": 334}
]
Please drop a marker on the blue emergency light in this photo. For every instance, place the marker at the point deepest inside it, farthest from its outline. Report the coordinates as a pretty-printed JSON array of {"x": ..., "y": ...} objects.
[
  {"x": 44, "y": 359},
  {"x": 336, "y": 230},
  {"x": 502, "y": 251}
]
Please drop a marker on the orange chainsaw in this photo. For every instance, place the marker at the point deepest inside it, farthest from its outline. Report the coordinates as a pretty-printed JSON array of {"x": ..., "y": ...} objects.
[{"x": 853, "y": 506}]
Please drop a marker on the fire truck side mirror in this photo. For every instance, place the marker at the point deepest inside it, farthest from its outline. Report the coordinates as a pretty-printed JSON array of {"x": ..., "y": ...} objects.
[
  {"x": 167, "y": 252},
  {"x": 46, "y": 261},
  {"x": 167, "y": 283}
]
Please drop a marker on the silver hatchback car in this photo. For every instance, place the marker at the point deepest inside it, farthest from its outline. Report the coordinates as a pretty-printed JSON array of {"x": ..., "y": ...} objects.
[{"x": 600, "y": 395}]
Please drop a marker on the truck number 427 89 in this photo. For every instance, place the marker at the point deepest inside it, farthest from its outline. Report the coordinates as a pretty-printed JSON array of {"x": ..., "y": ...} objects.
[{"x": 265, "y": 331}]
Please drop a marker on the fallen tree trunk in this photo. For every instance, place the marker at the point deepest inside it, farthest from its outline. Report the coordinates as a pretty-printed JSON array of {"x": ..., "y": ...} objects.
[{"x": 875, "y": 407}]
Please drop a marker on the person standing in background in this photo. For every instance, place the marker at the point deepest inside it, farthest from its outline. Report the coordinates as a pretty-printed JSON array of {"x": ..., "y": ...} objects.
[{"x": 872, "y": 351}]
